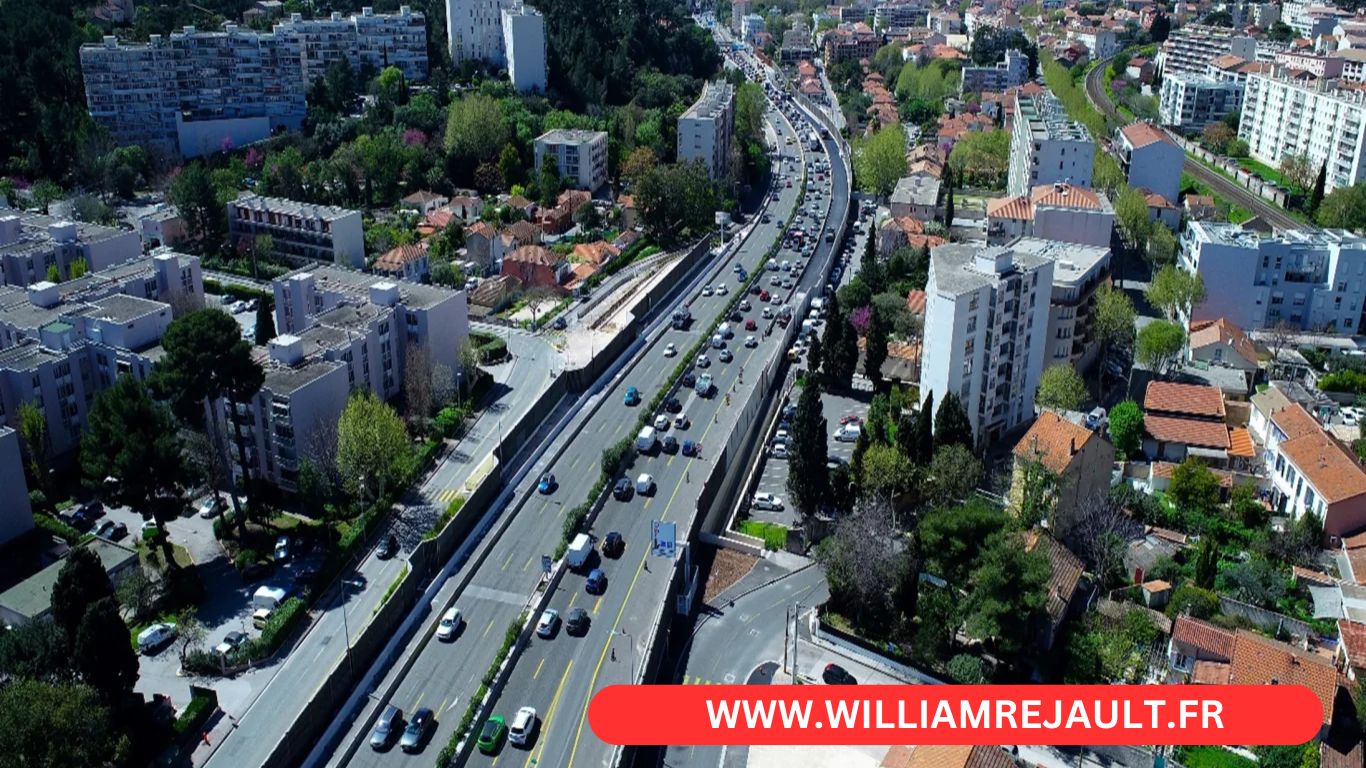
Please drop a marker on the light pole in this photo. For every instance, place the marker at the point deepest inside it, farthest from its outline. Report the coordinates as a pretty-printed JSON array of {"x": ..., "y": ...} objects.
[
  {"x": 346, "y": 629},
  {"x": 631, "y": 669}
]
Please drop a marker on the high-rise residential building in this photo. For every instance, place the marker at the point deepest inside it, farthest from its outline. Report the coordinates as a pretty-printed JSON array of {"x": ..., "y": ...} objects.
[
  {"x": 16, "y": 514},
  {"x": 705, "y": 129},
  {"x": 986, "y": 314},
  {"x": 580, "y": 156},
  {"x": 31, "y": 246},
  {"x": 901, "y": 14},
  {"x": 1078, "y": 272},
  {"x": 1311, "y": 19},
  {"x": 62, "y": 344},
  {"x": 524, "y": 42},
  {"x": 1189, "y": 49},
  {"x": 474, "y": 29},
  {"x": 1284, "y": 116},
  {"x": 195, "y": 92},
  {"x": 1052, "y": 212},
  {"x": 1188, "y": 103},
  {"x": 300, "y": 230},
  {"x": 739, "y": 9},
  {"x": 1150, "y": 159},
  {"x": 1010, "y": 71},
  {"x": 1311, "y": 279},
  {"x": 1047, "y": 146}
]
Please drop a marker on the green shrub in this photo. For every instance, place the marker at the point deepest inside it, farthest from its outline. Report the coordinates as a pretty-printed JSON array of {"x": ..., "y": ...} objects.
[
  {"x": 150, "y": 534},
  {"x": 282, "y": 620},
  {"x": 448, "y": 515},
  {"x": 450, "y": 421},
  {"x": 57, "y": 528},
  {"x": 246, "y": 558},
  {"x": 194, "y": 715},
  {"x": 1344, "y": 381},
  {"x": 774, "y": 535}
]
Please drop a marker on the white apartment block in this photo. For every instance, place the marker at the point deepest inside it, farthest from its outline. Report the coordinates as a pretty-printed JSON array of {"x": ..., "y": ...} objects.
[
  {"x": 706, "y": 128},
  {"x": 986, "y": 314},
  {"x": 1058, "y": 212},
  {"x": 580, "y": 156},
  {"x": 1283, "y": 117},
  {"x": 1102, "y": 43},
  {"x": 195, "y": 92},
  {"x": 1188, "y": 103},
  {"x": 1311, "y": 19},
  {"x": 62, "y": 344},
  {"x": 474, "y": 29},
  {"x": 1315, "y": 280},
  {"x": 1078, "y": 271},
  {"x": 30, "y": 245},
  {"x": 1150, "y": 159},
  {"x": 524, "y": 42},
  {"x": 901, "y": 13},
  {"x": 301, "y": 230},
  {"x": 16, "y": 515},
  {"x": 1353, "y": 64},
  {"x": 1047, "y": 146},
  {"x": 1012, "y": 70},
  {"x": 1189, "y": 49}
]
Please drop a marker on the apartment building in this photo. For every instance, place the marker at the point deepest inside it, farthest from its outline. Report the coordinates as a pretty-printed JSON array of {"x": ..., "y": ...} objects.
[
  {"x": 474, "y": 30},
  {"x": 1100, "y": 42},
  {"x": 1312, "y": 19},
  {"x": 194, "y": 92},
  {"x": 1012, "y": 70},
  {"x": 300, "y": 230},
  {"x": 32, "y": 245},
  {"x": 850, "y": 42},
  {"x": 750, "y": 27},
  {"x": 1058, "y": 211},
  {"x": 1310, "y": 63},
  {"x": 1312, "y": 473},
  {"x": 1353, "y": 64},
  {"x": 1189, "y": 49},
  {"x": 797, "y": 46},
  {"x": 739, "y": 9},
  {"x": 1188, "y": 103},
  {"x": 706, "y": 128},
  {"x": 16, "y": 515},
  {"x": 580, "y": 156},
  {"x": 901, "y": 13},
  {"x": 1284, "y": 116},
  {"x": 1047, "y": 146},
  {"x": 524, "y": 42},
  {"x": 987, "y": 309},
  {"x": 1312, "y": 279},
  {"x": 1078, "y": 272},
  {"x": 1150, "y": 159},
  {"x": 62, "y": 344}
]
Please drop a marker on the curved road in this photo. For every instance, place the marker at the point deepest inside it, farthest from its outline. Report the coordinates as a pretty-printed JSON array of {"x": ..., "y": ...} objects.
[{"x": 1267, "y": 211}]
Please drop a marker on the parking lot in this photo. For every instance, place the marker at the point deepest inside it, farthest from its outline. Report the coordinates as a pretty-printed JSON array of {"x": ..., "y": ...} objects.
[
  {"x": 244, "y": 312},
  {"x": 773, "y": 473}
]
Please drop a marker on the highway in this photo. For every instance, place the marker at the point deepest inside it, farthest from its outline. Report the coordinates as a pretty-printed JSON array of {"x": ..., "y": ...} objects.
[
  {"x": 1221, "y": 186},
  {"x": 344, "y": 611},
  {"x": 559, "y": 676},
  {"x": 445, "y": 675}
]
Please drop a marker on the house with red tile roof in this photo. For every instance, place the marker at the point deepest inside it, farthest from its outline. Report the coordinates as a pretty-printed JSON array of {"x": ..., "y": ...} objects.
[
  {"x": 1183, "y": 420},
  {"x": 915, "y": 302},
  {"x": 1221, "y": 343},
  {"x": 1309, "y": 470},
  {"x": 1061, "y": 211},
  {"x": 936, "y": 756},
  {"x": 1068, "y": 589},
  {"x": 1194, "y": 641},
  {"x": 407, "y": 262},
  {"x": 537, "y": 267},
  {"x": 423, "y": 201},
  {"x": 1351, "y": 658},
  {"x": 1080, "y": 459},
  {"x": 481, "y": 244}
]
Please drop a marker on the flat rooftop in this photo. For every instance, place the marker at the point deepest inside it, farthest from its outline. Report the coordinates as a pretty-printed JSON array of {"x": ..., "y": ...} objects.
[
  {"x": 122, "y": 308},
  {"x": 1047, "y": 119},
  {"x": 255, "y": 202},
  {"x": 283, "y": 380},
  {"x": 571, "y": 136},
  {"x": 349, "y": 281},
  {"x": 715, "y": 96},
  {"x": 1072, "y": 262},
  {"x": 955, "y": 266}
]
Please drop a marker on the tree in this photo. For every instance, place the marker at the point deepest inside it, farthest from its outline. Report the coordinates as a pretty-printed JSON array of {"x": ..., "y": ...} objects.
[
  {"x": 103, "y": 656},
  {"x": 36, "y": 650},
  {"x": 1126, "y": 428},
  {"x": 1159, "y": 345},
  {"x": 966, "y": 670},
  {"x": 1191, "y": 600},
  {"x": 194, "y": 196},
  {"x": 921, "y": 447},
  {"x": 57, "y": 725},
  {"x": 1098, "y": 530},
  {"x": 137, "y": 593},
  {"x": 33, "y": 432},
  {"x": 1131, "y": 213},
  {"x": 262, "y": 246},
  {"x": 875, "y": 348},
  {"x": 1207, "y": 563},
  {"x": 864, "y": 561},
  {"x": 1316, "y": 197},
  {"x": 418, "y": 399},
  {"x": 190, "y": 632},
  {"x": 475, "y": 129},
  {"x": 815, "y": 357},
  {"x": 954, "y": 473},
  {"x": 265, "y": 324},
  {"x": 1060, "y": 389},
  {"x": 952, "y": 537},
  {"x": 1113, "y": 324},
  {"x": 81, "y": 582},
  {"x": 880, "y": 160},
  {"x": 887, "y": 473},
  {"x": 951, "y": 424},
  {"x": 1194, "y": 487},
  {"x": 1038, "y": 487},
  {"x": 1006, "y": 592},
  {"x": 948, "y": 196},
  {"x": 675, "y": 202},
  {"x": 1344, "y": 208},
  {"x": 1244, "y": 504},
  {"x": 372, "y": 446},
  {"x": 1160, "y": 28},
  {"x": 1217, "y": 135},
  {"x": 843, "y": 358},
  {"x": 131, "y": 437},
  {"x": 807, "y": 478},
  {"x": 1298, "y": 170},
  {"x": 1161, "y": 246}
]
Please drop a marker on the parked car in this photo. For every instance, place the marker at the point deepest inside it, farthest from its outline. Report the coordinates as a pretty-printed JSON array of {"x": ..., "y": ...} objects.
[
  {"x": 451, "y": 622},
  {"x": 560, "y": 324},
  {"x": 834, "y": 674},
  {"x": 155, "y": 636},
  {"x": 387, "y": 728},
  {"x": 491, "y": 735},
  {"x": 419, "y": 727},
  {"x": 578, "y": 622},
  {"x": 230, "y": 643},
  {"x": 768, "y": 501},
  {"x": 848, "y": 433},
  {"x": 211, "y": 507},
  {"x": 780, "y": 450},
  {"x": 549, "y": 621}
]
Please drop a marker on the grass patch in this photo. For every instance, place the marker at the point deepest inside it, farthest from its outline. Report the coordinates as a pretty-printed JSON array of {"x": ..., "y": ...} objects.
[
  {"x": 1211, "y": 757},
  {"x": 447, "y": 515},
  {"x": 194, "y": 715},
  {"x": 773, "y": 534},
  {"x": 393, "y": 587},
  {"x": 57, "y": 528}
]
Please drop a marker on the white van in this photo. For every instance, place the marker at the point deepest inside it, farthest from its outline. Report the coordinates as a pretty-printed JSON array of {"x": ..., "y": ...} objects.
[{"x": 268, "y": 597}]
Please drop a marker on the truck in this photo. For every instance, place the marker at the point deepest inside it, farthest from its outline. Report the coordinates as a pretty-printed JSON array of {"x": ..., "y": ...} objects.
[
  {"x": 812, "y": 142},
  {"x": 682, "y": 318},
  {"x": 646, "y": 440},
  {"x": 704, "y": 385},
  {"x": 579, "y": 550},
  {"x": 268, "y": 597},
  {"x": 818, "y": 306}
]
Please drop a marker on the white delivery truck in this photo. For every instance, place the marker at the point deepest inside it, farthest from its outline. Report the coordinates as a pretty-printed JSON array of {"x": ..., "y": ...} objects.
[
  {"x": 579, "y": 550},
  {"x": 268, "y": 597},
  {"x": 646, "y": 440}
]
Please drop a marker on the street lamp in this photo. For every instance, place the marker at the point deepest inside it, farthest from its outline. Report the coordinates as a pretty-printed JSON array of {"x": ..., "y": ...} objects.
[
  {"x": 631, "y": 669},
  {"x": 346, "y": 629}
]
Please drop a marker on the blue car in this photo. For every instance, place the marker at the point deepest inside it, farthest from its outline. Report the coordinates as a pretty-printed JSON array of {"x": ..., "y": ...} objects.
[
  {"x": 597, "y": 582},
  {"x": 547, "y": 483},
  {"x": 632, "y": 396},
  {"x": 689, "y": 448}
]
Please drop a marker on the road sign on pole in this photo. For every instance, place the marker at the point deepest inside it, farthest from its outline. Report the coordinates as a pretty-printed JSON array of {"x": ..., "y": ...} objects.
[
  {"x": 663, "y": 538},
  {"x": 546, "y": 563}
]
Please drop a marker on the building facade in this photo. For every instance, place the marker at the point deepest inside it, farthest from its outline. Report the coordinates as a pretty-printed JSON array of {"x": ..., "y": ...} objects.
[
  {"x": 1046, "y": 146},
  {"x": 706, "y": 128},
  {"x": 580, "y": 156},
  {"x": 301, "y": 230},
  {"x": 1059, "y": 212},
  {"x": 1189, "y": 49},
  {"x": 474, "y": 30},
  {"x": 1078, "y": 272},
  {"x": 1282, "y": 117},
  {"x": 987, "y": 309},
  {"x": 1012, "y": 70},
  {"x": 16, "y": 514},
  {"x": 1150, "y": 159},
  {"x": 31, "y": 246},
  {"x": 1188, "y": 103},
  {"x": 524, "y": 41}
]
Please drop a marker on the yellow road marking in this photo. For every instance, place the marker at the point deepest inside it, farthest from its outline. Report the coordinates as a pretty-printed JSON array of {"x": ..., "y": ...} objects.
[
  {"x": 572, "y": 597},
  {"x": 508, "y": 561},
  {"x": 418, "y": 703},
  {"x": 596, "y": 605},
  {"x": 528, "y": 563},
  {"x": 537, "y": 674},
  {"x": 535, "y": 757},
  {"x": 486, "y": 629}
]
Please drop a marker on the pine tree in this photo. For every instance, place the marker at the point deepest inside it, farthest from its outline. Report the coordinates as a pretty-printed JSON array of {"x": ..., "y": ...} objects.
[
  {"x": 808, "y": 477},
  {"x": 102, "y": 654},
  {"x": 1316, "y": 199},
  {"x": 948, "y": 197},
  {"x": 830, "y": 340},
  {"x": 951, "y": 424},
  {"x": 845, "y": 356},
  {"x": 265, "y": 324},
  {"x": 924, "y": 433},
  {"x": 81, "y": 582},
  {"x": 814, "y": 359},
  {"x": 1207, "y": 563},
  {"x": 875, "y": 351}
]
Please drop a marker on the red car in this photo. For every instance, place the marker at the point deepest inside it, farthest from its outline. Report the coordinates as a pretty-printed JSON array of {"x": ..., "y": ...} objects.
[
  {"x": 850, "y": 419},
  {"x": 750, "y": 325},
  {"x": 763, "y": 295}
]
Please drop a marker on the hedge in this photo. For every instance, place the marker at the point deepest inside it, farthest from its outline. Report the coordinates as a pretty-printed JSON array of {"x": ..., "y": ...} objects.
[
  {"x": 491, "y": 348},
  {"x": 195, "y": 714},
  {"x": 57, "y": 528},
  {"x": 773, "y": 534},
  {"x": 281, "y": 621},
  {"x": 1343, "y": 381},
  {"x": 510, "y": 636},
  {"x": 238, "y": 291}
]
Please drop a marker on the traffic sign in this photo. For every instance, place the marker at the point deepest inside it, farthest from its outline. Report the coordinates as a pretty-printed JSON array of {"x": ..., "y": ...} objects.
[
  {"x": 663, "y": 538},
  {"x": 546, "y": 563}
]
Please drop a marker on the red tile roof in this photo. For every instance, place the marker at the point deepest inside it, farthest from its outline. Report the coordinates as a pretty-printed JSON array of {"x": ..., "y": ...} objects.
[
  {"x": 1220, "y": 331},
  {"x": 534, "y": 254},
  {"x": 1353, "y": 641},
  {"x": 915, "y": 302},
  {"x": 1202, "y": 434},
  {"x": 1240, "y": 443},
  {"x": 1065, "y": 196},
  {"x": 396, "y": 258},
  {"x": 1295, "y": 421},
  {"x": 1334, "y": 474},
  {"x": 1318, "y": 577},
  {"x": 1065, "y": 570},
  {"x": 1143, "y": 134},
  {"x": 1186, "y": 399},
  {"x": 934, "y": 756},
  {"x": 1259, "y": 661},
  {"x": 1211, "y": 640},
  {"x": 1205, "y": 672},
  {"x": 906, "y": 224},
  {"x": 1053, "y": 440}
]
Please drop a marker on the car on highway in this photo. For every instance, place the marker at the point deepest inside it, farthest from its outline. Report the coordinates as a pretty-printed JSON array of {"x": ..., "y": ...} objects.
[
  {"x": 622, "y": 490},
  {"x": 750, "y": 325},
  {"x": 766, "y": 500},
  {"x": 726, "y": 356},
  {"x": 689, "y": 448},
  {"x": 744, "y": 305},
  {"x": 613, "y": 544},
  {"x": 597, "y": 582},
  {"x": 211, "y": 507},
  {"x": 707, "y": 290},
  {"x": 662, "y": 422},
  {"x": 632, "y": 396},
  {"x": 547, "y": 484},
  {"x": 523, "y": 727},
  {"x": 670, "y": 349},
  {"x": 230, "y": 643},
  {"x": 577, "y": 623},
  {"x": 721, "y": 289},
  {"x": 775, "y": 281},
  {"x": 450, "y": 624},
  {"x": 735, "y": 316},
  {"x": 688, "y": 380},
  {"x": 750, "y": 341},
  {"x": 645, "y": 484},
  {"x": 764, "y": 296},
  {"x": 834, "y": 674},
  {"x": 767, "y": 313},
  {"x": 672, "y": 405},
  {"x": 491, "y": 735},
  {"x": 389, "y": 548},
  {"x": 780, "y": 450},
  {"x": 669, "y": 444},
  {"x": 703, "y": 361},
  {"x": 755, "y": 289},
  {"x": 545, "y": 626},
  {"x": 681, "y": 421},
  {"x": 387, "y": 727}
]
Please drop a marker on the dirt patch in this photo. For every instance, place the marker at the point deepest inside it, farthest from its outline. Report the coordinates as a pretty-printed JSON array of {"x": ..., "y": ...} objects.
[{"x": 728, "y": 566}]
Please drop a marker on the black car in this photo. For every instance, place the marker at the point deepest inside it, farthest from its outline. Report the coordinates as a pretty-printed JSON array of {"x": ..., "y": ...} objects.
[
  {"x": 689, "y": 380},
  {"x": 834, "y": 674},
  {"x": 559, "y": 324},
  {"x": 577, "y": 623},
  {"x": 673, "y": 405},
  {"x": 389, "y": 548},
  {"x": 613, "y": 545},
  {"x": 623, "y": 490},
  {"x": 735, "y": 316},
  {"x": 670, "y": 444},
  {"x": 754, "y": 289},
  {"x": 417, "y": 731}
]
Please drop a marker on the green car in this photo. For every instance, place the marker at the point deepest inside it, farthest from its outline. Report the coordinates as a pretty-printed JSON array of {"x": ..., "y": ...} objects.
[{"x": 491, "y": 735}]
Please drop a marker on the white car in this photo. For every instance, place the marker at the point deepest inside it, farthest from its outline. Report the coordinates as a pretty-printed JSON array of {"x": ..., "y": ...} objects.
[
  {"x": 751, "y": 342},
  {"x": 767, "y": 313},
  {"x": 211, "y": 507},
  {"x": 781, "y": 436},
  {"x": 450, "y": 624},
  {"x": 848, "y": 433},
  {"x": 156, "y": 636},
  {"x": 523, "y": 727},
  {"x": 721, "y": 289},
  {"x": 670, "y": 350},
  {"x": 706, "y": 290},
  {"x": 766, "y": 500},
  {"x": 780, "y": 450},
  {"x": 550, "y": 619},
  {"x": 645, "y": 484},
  {"x": 661, "y": 422},
  {"x": 726, "y": 356},
  {"x": 703, "y": 361}
]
